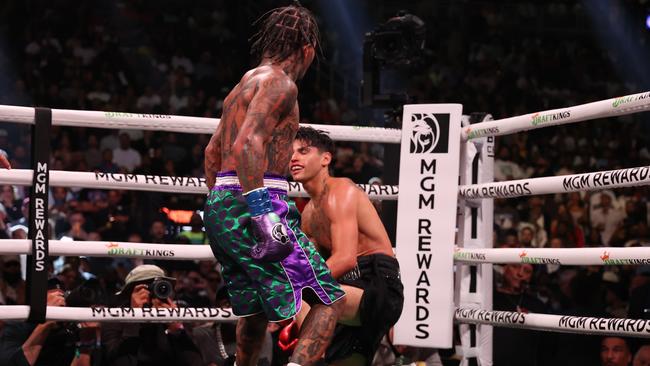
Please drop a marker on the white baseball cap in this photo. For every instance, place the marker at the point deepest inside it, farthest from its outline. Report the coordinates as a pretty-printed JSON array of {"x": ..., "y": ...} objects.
[{"x": 143, "y": 273}]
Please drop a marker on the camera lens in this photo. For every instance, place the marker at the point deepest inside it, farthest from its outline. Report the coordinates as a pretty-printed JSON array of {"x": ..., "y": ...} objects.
[{"x": 161, "y": 289}]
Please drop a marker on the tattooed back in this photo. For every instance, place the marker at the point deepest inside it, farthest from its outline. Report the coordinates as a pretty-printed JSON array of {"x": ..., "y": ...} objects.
[{"x": 265, "y": 97}]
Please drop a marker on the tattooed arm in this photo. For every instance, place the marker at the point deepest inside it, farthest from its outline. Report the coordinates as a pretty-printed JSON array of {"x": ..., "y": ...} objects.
[
  {"x": 341, "y": 209},
  {"x": 212, "y": 163},
  {"x": 274, "y": 99}
]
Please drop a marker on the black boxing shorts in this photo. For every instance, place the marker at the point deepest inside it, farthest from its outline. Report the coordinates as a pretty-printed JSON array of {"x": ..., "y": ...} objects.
[{"x": 380, "y": 307}]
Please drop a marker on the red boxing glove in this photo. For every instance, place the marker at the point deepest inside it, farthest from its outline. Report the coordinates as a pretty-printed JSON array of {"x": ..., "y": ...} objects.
[{"x": 288, "y": 338}]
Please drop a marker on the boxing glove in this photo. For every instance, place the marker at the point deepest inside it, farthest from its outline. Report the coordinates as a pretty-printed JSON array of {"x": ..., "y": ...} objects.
[
  {"x": 273, "y": 244},
  {"x": 288, "y": 337}
]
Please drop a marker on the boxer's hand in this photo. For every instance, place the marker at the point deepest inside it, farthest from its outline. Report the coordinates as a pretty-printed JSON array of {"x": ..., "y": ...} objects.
[{"x": 273, "y": 242}]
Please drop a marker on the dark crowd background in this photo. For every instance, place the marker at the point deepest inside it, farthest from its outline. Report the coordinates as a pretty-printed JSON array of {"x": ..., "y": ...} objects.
[{"x": 506, "y": 58}]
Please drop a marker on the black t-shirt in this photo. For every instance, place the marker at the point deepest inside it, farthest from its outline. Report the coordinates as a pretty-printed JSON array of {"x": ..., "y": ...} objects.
[
  {"x": 57, "y": 350},
  {"x": 519, "y": 347},
  {"x": 14, "y": 212}
]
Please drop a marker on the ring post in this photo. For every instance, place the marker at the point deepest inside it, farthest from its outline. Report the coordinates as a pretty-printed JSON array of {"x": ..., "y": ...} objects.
[
  {"x": 426, "y": 223},
  {"x": 474, "y": 282}
]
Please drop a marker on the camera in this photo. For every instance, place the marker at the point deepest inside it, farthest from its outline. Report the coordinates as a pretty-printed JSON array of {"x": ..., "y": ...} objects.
[
  {"x": 89, "y": 293},
  {"x": 160, "y": 288},
  {"x": 391, "y": 52},
  {"x": 399, "y": 41}
]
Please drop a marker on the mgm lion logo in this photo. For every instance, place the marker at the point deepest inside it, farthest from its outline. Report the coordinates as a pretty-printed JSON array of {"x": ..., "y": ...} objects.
[{"x": 430, "y": 133}]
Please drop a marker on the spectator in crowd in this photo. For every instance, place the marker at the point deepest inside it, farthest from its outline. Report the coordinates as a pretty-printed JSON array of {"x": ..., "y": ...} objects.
[
  {"x": 149, "y": 102},
  {"x": 158, "y": 233},
  {"x": 110, "y": 141},
  {"x": 196, "y": 235},
  {"x": 642, "y": 356},
  {"x": 77, "y": 223},
  {"x": 10, "y": 203},
  {"x": 193, "y": 289},
  {"x": 12, "y": 285},
  {"x": 46, "y": 344},
  {"x": 605, "y": 218},
  {"x": 115, "y": 217},
  {"x": 18, "y": 232},
  {"x": 69, "y": 275},
  {"x": 527, "y": 236},
  {"x": 616, "y": 295},
  {"x": 4, "y": 229},
  {"x": 515, "y": 346},
  {"x": 148, "y": 343},
  {"x": 107, "y": 164},
  {"x": 506, "y": 169},
  {"x": 24, "y": 218},
  {"x": 125, "y": 156},
  {"x": 4, "y": 161},
  {"x": 92, "y": 153},
  {"x": 639, "y": 304},
  {"x": 615, "y": 351}
]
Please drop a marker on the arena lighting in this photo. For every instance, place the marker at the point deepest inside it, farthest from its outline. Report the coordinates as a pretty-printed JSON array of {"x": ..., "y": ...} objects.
[
  {"x": 647, "y": 21},
  {"x": 178, "y": 216}
]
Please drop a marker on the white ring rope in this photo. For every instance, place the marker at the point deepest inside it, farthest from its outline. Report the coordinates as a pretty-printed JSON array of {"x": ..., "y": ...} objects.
[
  {"x": 628, "y": 104},
  {"x": 556, "y": 323},
  {"x": 548, "y": 322},
  {"x": 629, "y": 177},
  {"x": 160, "y": 122},
  {"x": 156, "y": 183},
  {"x": 111, "y": 249},
  {"x": 122, "y": 315},
  {"x": 562, "y": 256},
  {"x": 633, "y": 103},
  {"x": 601, "y": 256}
]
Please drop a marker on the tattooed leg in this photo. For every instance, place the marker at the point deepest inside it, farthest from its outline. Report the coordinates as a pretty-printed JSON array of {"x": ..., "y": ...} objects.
[
  {"x": 250, "y": 336},
  {"x": 316, "y": 333}
]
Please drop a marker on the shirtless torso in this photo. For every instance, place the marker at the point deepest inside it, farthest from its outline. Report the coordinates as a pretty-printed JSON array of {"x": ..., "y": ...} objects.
[
  {"x": 267, "y": 96},
  {"x": 319, "y": 213}
]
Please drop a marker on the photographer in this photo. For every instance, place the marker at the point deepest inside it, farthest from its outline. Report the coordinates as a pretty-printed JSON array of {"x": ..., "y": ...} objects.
[
  {"x": 148, "y": 343},
  {"x": 49, "y": 343}
]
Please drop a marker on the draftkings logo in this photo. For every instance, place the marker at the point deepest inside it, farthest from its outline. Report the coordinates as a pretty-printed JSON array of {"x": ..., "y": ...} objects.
[
  {"x": 605, "y": 257},
  {"x": 430, "y": 133},
  {"x": 114, "y": 249},
  {"x": 629, "y": 99},
  {"x": 523, "y": 256}
]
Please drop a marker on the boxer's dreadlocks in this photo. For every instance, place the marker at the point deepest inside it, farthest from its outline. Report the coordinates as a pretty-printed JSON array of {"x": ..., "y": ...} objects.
[{"x": 284, "y": 31}]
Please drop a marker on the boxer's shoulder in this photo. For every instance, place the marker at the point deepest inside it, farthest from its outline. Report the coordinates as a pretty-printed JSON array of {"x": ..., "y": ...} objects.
[
  {"x": 267, "y": 76},
  {"x": 342, "y": 187},
  {"x": 340, "y": 194}
]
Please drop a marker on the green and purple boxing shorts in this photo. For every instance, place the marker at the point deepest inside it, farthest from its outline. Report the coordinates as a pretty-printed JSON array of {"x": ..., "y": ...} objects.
[{"x": 255, "y": 287}]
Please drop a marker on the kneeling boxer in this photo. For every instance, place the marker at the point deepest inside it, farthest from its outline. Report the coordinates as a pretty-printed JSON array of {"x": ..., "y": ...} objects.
[{"x": 344, "y": 225}]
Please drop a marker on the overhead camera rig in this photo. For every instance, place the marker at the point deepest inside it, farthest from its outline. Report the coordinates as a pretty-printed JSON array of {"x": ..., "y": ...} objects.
[{"x": 390, "y": 52}]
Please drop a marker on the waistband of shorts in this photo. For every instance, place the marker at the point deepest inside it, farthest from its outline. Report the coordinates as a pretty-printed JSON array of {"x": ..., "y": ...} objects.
[
  {"x": 379, "y": 264},
  {"x": 229, "y": 181}
]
